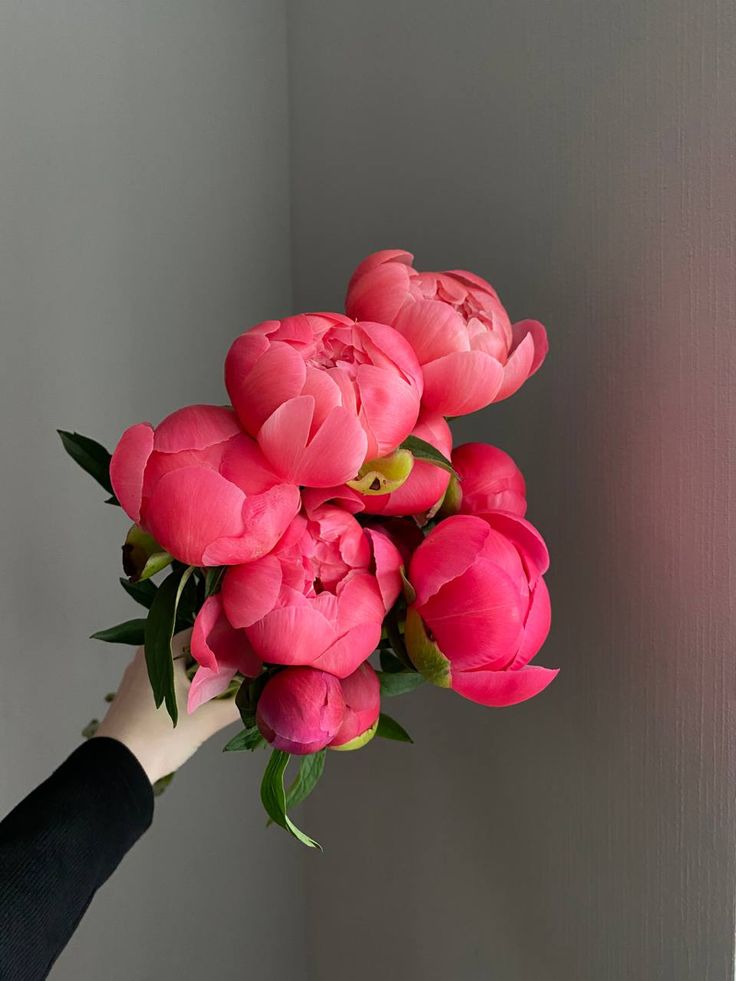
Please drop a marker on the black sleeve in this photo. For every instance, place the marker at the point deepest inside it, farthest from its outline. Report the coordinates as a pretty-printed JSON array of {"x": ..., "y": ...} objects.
[{"x": 59, "y": 845}]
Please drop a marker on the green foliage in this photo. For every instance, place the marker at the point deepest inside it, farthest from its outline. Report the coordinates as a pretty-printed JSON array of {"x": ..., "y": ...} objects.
[
  {"x": 398, "y": 682},
  {"x": 246, "y": 739},
  {"x": 159, "y": 630},
  {"x": 273, "y": 797},
  {"x": 129, "y": 632},
  {"x": 422, "y": 450},
  {"x": 91, "y": 456},
  {"x": 389, "y": 728}
]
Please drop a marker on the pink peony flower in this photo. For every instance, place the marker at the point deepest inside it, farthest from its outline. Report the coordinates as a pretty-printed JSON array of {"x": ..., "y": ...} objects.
[
  {"x": 221, "y": 653},
  {"x": 202, "y": 487},
  {"x": 482, "y": 608},
  {"x": 422, "y": 490},
  {"x": 300, "y": 710},
  {"x": 362, "y": 695},
  {"x": 322, "y": 394},
  {"x": 489, "y": 480},
  {"x": 471, "y": 354},
  {"x": 320, "y": 596}
]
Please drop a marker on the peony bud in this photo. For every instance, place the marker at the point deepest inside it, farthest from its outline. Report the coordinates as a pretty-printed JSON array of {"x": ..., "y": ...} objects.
[
  {"x": 362, "y": 694},
  {"x": 143, "y": 557},
  {"x": 300, "y": 710}
]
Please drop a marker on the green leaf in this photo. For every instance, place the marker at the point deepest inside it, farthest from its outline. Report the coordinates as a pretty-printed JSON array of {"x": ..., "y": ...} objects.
[
  {"x": 390, "y": 729},
  {"x": 311, "y": 769},
  {"x": 399, "y": 682},
  {"x": 422, "y": 450},
  {"x": 128, "y": 632},
  {"x": 213, "y": 580},
  {"x": 91, "y": 456},
  {"x": 158, "y": 633},
  {"x": 247, "y": 739},
  {"x": 273, "y": 797},
  {"x": 390, "y": 663},
  {"x": 162, "y": 783},
  {"x": 247, "y": 697},
  {"x": 142, "y": 592}
]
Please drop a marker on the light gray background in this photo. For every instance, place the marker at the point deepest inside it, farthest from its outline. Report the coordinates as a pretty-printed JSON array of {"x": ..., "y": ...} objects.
[{"x": 159, "y": 181}]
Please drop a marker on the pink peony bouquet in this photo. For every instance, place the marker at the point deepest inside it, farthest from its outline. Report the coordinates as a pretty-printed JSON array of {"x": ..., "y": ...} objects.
[{"x": 323, "y": 521}]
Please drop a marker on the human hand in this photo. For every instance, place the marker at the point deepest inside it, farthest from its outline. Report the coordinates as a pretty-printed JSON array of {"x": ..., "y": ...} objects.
[{"x": 148, "y": 733}]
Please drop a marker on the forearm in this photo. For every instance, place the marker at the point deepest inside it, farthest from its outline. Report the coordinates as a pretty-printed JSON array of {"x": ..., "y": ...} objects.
[{"x": 59, "y": 845}]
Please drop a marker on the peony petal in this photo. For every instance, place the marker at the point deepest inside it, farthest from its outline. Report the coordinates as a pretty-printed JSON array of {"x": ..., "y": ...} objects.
[
  {"x": 538, "y": 332},
  {"x": 378, "y": 290},
  {"x": 389, "y": 409},
  {"x": 207, "y": 684},
  {"x": 216, "y": 643},
  {"x": 537, "y": 625},
  {"x": 128, "y": 465},
  {"x": 250, "y": 591},
  {"x": 332, "y": 457},
  {"x": 490, "y": 480},
  {"x": 244, "y": 464},
  {"x": 499, "y": 688},
  {"x": 446, "y": 553},
  {"x": 387, "y": 560},
  {"x": 517, "y": 369},
  {"x": 191, "y": 508},
  {"x": 350, "y": 650},
  {"x": 265, "y": 518},
  {"x": 433, "y": 329},
  {"x": 525, "y": 538},
  {"x": 279, "y": 374},
  {"x": 477, "y": 618},
  {"x": 358, "y": 601},
  {"x": 195, "y": 427},
  {"x": 460, "y": 383},
  {"x": 291, "y": 635}
]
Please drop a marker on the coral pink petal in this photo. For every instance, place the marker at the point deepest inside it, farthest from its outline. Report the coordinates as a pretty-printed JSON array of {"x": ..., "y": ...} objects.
[
  {"x": 399, "y": 256},
  {"x": 128, "y": 465},
  {"x": 244, "y": 464},
  {"x": 446, "y": 553},
  {"x": 499, "y": 688},
  {"x": 215, "y": 643},
  {"x": 525, "y": 537},
  {"x": 291, "y": 635},
  {"x": 326, "y": 393},
  {"x": 389, "y": 409},
  {"x": 195, "y": 427},
  {"x": 191, "y": 508},
  {"x": 388, "y": 562},
  {"x": 278, "y": 375},
  {"x": 433, "y": 329},
  {"x": 207, "y": 684},
  {"x": 461, "y": 382},
  {"x": 387, "y": 348},
  {"x": 517, "y": 369},
  {"x": 265, "y": 518},
  {"x": 359, "y": 601},
  {"x": 539, "y": 335},
  {"x": 378, "y": 293},
  {"x": 344, "y": 497},
  {"x": 250, "y": 591},
  {"x": 537, "y": 625},
  {"x": 348, "y": 653},
  {"x": 334, "y": 455},
  {"x": 477, "y": 618}
]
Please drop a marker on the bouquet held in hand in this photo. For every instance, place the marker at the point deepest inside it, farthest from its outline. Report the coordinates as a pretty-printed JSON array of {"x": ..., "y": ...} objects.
[{"x": 324, "y": 541}]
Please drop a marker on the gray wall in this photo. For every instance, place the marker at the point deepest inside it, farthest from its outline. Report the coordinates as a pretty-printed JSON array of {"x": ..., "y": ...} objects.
[
  {"x": 581, "y": 156},
  {"x": 144, "y": 220}
]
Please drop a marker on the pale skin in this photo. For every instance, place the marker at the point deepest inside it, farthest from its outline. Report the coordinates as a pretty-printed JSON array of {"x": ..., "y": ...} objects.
[{"x": 134, "y": 720}]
